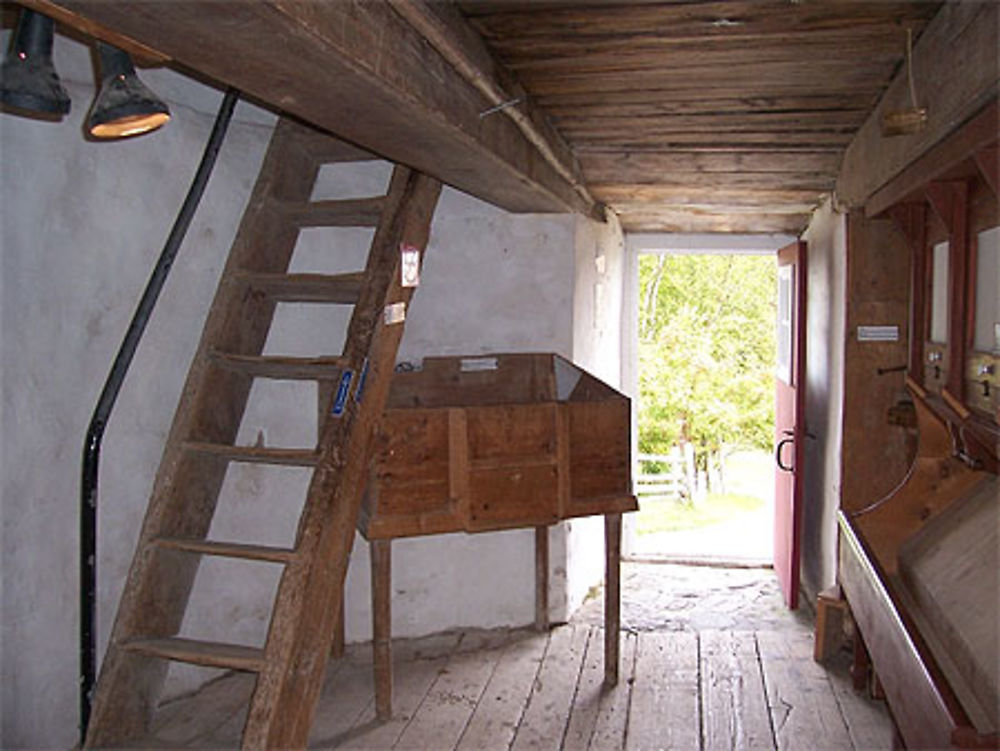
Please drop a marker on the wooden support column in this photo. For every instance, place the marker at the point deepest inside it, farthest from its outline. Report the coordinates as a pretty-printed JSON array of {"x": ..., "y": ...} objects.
[
  {"x": 831, "y": 607},
  {"x": 861, "y": 664},
  {"x": 988, "y": 162},
  {"x": 950, "y": 200},
  {"x": 325, "y": 389},
  {"x": 541, "y": 578},
  {"x": 612, "y": 596},
  {"x": 911, "y": 218},
  {"x": 381, "y": 563}
]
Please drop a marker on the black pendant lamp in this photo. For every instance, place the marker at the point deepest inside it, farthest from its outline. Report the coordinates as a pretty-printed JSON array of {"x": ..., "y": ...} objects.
[
  {"x": 124, "y": 106},
  {"x": 28, "y": 80}
]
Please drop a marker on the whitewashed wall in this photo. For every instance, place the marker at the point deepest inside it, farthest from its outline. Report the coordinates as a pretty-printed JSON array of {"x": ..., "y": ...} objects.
[
  {"x": 825, "y": 321},
  {"x": 597, "y": 347},
  {"x": 82, "y": 225}
]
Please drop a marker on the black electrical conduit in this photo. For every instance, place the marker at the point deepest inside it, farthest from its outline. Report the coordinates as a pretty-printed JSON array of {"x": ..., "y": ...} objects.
[{"x": 99, "y": 421}]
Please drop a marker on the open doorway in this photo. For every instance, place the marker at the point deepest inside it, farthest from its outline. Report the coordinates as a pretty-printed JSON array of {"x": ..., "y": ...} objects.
[{"x": 705, "y": 363}]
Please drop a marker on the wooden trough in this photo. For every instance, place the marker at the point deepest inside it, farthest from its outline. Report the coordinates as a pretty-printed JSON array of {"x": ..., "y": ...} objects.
[
  {"x": 486, "y": 443},
  {"x": 921, "y": 573}
]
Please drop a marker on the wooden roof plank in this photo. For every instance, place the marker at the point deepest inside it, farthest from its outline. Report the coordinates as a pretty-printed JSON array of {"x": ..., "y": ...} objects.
[{"x": 703, "y": 19}]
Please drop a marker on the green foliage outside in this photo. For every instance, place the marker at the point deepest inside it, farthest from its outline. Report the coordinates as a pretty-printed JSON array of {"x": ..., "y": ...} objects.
[{"x": 706, "y": 354}]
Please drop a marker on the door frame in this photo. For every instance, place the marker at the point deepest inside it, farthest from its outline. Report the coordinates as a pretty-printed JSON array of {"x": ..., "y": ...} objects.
[{"x": 637, "y": 244}]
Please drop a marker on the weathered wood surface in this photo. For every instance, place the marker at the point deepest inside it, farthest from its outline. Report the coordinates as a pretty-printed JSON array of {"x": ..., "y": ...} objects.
[
  {"x": 541, "y": 578},
  {"x": 476, "y": 690},
  {"x": 876, "y": 455},
  {"x": 800, "y": 698},
  {"x": 544, "y": 720},
  {"x": 976, "y": 137},
  {"x": 412, "y": 80},
  {"x": 735, "y": 709},
  {"x": 491, "y": 445},
  {"x": 665, "y": 712},
  {"x": 442, "y": 716},
  {"x": 418, "y": 664},
  {"x": 306, "y": 611},
  {"x": 210, "y": 409},
  {"x": 962, "y": 37},
  {"x": 611, "y": 723},
  {"x": 757, "y": 79},
  {"x": 381, "y": 565},
  {"x": 924, "y": 709},
  {"x": 949, "y": 571},
  {"x": 498, "y": 713},
  {"x": 356, "y": 69},
  {"x": 612, "y": 597}
]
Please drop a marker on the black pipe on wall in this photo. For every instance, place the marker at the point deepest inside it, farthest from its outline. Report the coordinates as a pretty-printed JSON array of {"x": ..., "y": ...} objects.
[{"x": 106, "y": 401}]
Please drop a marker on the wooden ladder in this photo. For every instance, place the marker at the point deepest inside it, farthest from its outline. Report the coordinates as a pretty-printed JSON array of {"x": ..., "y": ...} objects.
[{"x": 201, "y": 444}]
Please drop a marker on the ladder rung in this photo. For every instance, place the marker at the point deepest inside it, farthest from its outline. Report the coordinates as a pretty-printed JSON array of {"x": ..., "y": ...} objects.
[
  {"x": 321, "y": 147},
  {"x": 353, "y": 212},
  {"x": 256, "y": 454},
  {"x": 336, "y": 288},
  {"x": 228, "y": 549},
  {"x": 210, "y": 654},
  {"x": 290, "y": 368}
]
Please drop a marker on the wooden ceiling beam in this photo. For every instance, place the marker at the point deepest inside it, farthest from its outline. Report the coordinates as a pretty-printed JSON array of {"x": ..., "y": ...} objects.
[
  {"x": 443, "y": 26},
  {"x": 694, "y": 222},
  {"x": 358, "y": 70},
  {"x": 976, "y": 135},
  {"x": 956, "y": 72}
]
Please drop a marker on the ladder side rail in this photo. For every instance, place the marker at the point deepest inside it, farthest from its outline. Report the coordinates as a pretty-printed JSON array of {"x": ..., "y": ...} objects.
[
  {"x": 187, "y": 485},
  {"x": 309, "y": 595}
]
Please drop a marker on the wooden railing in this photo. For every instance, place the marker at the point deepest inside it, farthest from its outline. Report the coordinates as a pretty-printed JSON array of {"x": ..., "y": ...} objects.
[{"x": 671, "y": 483}]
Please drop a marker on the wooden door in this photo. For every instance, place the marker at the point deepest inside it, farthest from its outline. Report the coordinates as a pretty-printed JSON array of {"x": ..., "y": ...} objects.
[{"x": 789, "y": 428}]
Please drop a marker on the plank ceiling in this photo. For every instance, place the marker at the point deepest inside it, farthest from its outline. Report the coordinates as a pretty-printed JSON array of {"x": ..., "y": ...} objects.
[{"x": 704, "y": 115}]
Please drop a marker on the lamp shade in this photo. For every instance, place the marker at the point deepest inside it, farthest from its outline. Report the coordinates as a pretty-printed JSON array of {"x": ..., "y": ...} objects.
[
  {"x": 28, "y": 80},
  {"x": 124, "y": 105}
]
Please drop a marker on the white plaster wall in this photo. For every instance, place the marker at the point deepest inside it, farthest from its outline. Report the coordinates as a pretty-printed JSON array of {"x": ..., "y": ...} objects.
[
  {"x": 82, "y": 225},
  {"x": 826, "y": 237},
  {"x": 597, "y": 347}
]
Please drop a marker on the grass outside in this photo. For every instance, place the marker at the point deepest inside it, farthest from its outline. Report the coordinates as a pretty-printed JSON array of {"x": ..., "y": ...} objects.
[{"x": 669, "y": 515}]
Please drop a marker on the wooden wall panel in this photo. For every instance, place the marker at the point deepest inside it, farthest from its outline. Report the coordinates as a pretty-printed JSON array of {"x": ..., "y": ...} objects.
[{"x": 875, "y": 455}]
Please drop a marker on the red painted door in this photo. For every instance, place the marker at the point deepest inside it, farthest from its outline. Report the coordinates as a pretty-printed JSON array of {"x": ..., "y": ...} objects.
[{"x": 789, "y": 428}]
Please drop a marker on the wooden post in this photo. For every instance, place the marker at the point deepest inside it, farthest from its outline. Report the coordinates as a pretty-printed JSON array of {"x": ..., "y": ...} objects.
[
  {"x": 612, "y": 596},
  {"x": 325, "y": 389},
  {"x": 831, "y": 608},
  {"x": 337, "y": 648},
  {"x": 381, "y": 562},
  {"x": 861, "y": 664},
  {"x": 541, "y": 578},
  {"x": 950, "y": 200}
]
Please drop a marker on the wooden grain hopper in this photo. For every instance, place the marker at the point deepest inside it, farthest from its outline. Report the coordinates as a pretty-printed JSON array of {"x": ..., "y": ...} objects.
[{"x": 495, "y": 442}]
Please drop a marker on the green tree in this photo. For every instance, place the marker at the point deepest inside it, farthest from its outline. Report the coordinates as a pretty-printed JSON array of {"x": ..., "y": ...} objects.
[{"x": 706, "y": 354}]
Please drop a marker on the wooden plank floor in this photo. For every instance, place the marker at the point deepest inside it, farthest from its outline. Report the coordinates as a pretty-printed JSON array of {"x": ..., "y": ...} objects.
[
  {"x": 711, "y": 660},
  {"x": 520, "y": 689}
]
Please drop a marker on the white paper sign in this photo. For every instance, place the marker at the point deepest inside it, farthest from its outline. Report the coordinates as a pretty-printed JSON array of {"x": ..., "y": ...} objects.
[
  {"x": 478, "y": 364},
  {"x": 409, "y": 266},
  {"x": 395, "y": 313},
  {"x": 878, "y": 333}
]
